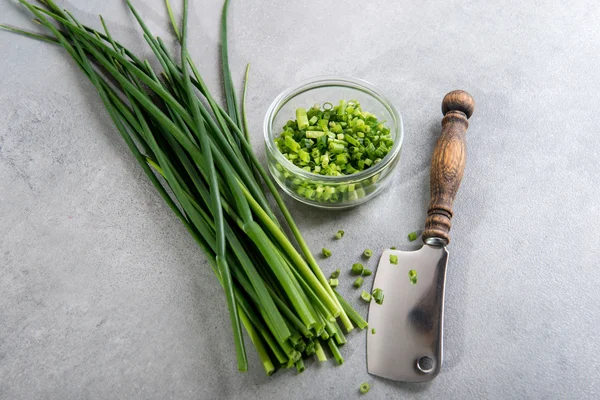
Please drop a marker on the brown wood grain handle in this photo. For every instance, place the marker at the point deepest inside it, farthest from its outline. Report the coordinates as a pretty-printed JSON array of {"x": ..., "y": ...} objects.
[{"x": 447, "y": 166}]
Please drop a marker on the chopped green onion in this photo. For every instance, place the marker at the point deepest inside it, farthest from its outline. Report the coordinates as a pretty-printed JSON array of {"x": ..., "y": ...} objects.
[
  {"x": 378, "y": 296},
  {"x": 372, "y": 331},
  {"x": 335, "y": 273},
  {"x": 393, "y": 248},
  {"x": 334, "y": 282},
  {"x": 412, "y": 274},
  {"x": 366, "y": 296},
  {"x": 339, "y": 234},
  {"x": 364, "y": 388},
  {"x": 326, "y": 252},
  {"x": 352, "y": 139},
  {"x": 368, "y": 253},
  {"x": 357, "y": 268},
  {"x": 393, "y": 259},
  {"x": 358, "y": 282},
  {"x": 412, "y": 236},
  {"x": 302, "y": 119},
  {"x": 367, "y": 272}
]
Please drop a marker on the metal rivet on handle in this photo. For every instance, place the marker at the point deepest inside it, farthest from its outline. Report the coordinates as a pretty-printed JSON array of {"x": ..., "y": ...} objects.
[{"x": 425, "y": 364}]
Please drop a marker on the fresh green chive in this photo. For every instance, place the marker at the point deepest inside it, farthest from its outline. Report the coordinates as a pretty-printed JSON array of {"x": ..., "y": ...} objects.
[
  {"x": 213, "y": 181},
  {"x": 372, "y": 331},
  {"x": 334, "y": 283},
  {"x": 412, "y": 274},
  {"x": 368, "y": 253},
  {"x": 302, "y": 119},
  {"x": 378, "y": 296},
  {"x": 393, "y": 248},
  {"x": 335, "y": 273},
  {"x": 393, "y": 259},
  {"x": 366, "y": 296},
  {"x": 339, "y": 234},
  {"x": 412, "y": 236},
  {"x": 326, "y": 252},
  {"x": 364, "y": 388},
  {"x": 367, "y": 272},
  {"x": 357, "y": 268},
  {"x": 358, "y": 282},
  {"x": 335, "y": 351}
]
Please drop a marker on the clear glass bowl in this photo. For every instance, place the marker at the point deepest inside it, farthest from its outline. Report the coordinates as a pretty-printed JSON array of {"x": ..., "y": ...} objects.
[{"x": 348, "y": 190}]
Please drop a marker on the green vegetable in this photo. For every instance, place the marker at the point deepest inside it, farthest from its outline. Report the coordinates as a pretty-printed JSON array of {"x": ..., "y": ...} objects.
[
  {"x": 326, "y": 252},
  {"x": 335, "y": 273},
  {"x": 412, "y": 275},
  {"x": 378, "y": 296},
  {"x": 334, "y": 282},
  {"x": 366, "y": 296},
  {"x": 212, "y": 181},
  {"x": 393, "y": 259},
  {"x": 364, "y": 388},
  {"x": 393, "y": 248},
  {"x": 358, "y": 282},
  {"x": 335, "y": 351},
  {"x": 357, "y": 268},
  {"x": 367, "y": 272},
  {"x": 368, "y": 253},
  {"x": 358, "y": 320},
  {"x": 412, "y": 236},
  {"x": 300, "y": 366},
  {"x": 372, "y": 331},
  {"x": 339, "y": 234},
  {"x": 302, "y": 119},
  {"x": 354, "y": 139}
]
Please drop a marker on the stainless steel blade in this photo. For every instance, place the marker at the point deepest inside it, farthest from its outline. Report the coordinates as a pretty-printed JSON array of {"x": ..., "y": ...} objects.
[{"x": 407, "y": 344}]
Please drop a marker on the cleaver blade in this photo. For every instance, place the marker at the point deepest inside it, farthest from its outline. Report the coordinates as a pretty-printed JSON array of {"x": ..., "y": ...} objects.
[{"x": 407, "y": 343}]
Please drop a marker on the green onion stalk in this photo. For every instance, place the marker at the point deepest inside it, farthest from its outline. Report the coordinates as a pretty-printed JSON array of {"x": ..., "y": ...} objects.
[{"x": 198, "y": 156}]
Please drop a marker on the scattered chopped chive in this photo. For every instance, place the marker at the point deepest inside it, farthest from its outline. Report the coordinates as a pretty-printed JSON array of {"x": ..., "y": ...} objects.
[
  {"x": 358, "y": 282},
  {"x": 366, "y": 296},
  {"x": 334, "y": 282},
  {"x": 368, "y": 253},
  {"x": 378, "y": 296},
  {"x": 372, "y": 331},
  {"x": 364, "y": 388},
  {"x": 412, "y": 236},
  {"x": 339, "y": 234},
  {"x": 357, "y": 268},
  {"x": 367, "y": 272},
  {"x": 335, "y": 273},
  {"x": 393, "y": 247},
  {"x": 326, "y": 252},
  {"x": 412, "y": 274},
  {"x": 393, "y": 259}
]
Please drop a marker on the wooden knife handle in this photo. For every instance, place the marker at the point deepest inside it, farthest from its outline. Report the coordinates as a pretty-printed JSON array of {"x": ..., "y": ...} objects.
[{"x": 447, "y": 166}]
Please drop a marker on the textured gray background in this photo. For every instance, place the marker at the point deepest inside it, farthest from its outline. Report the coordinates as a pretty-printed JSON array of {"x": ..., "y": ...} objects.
[{"x": 104, "y": 295}]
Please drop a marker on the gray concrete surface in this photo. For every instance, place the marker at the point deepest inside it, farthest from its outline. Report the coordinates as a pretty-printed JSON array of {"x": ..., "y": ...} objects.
[{"x": 103, "y": 294}]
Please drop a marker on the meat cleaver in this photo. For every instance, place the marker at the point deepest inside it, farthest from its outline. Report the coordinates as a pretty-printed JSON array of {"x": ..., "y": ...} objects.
[{"x": 404, "y": 341}]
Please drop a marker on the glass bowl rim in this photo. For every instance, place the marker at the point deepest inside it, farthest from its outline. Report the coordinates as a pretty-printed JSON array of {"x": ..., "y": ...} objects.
[{"x": 325, "y": 81}]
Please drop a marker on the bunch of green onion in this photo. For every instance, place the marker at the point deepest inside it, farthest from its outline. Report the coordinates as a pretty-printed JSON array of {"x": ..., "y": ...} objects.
[{"x": 197, "y": 155}]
